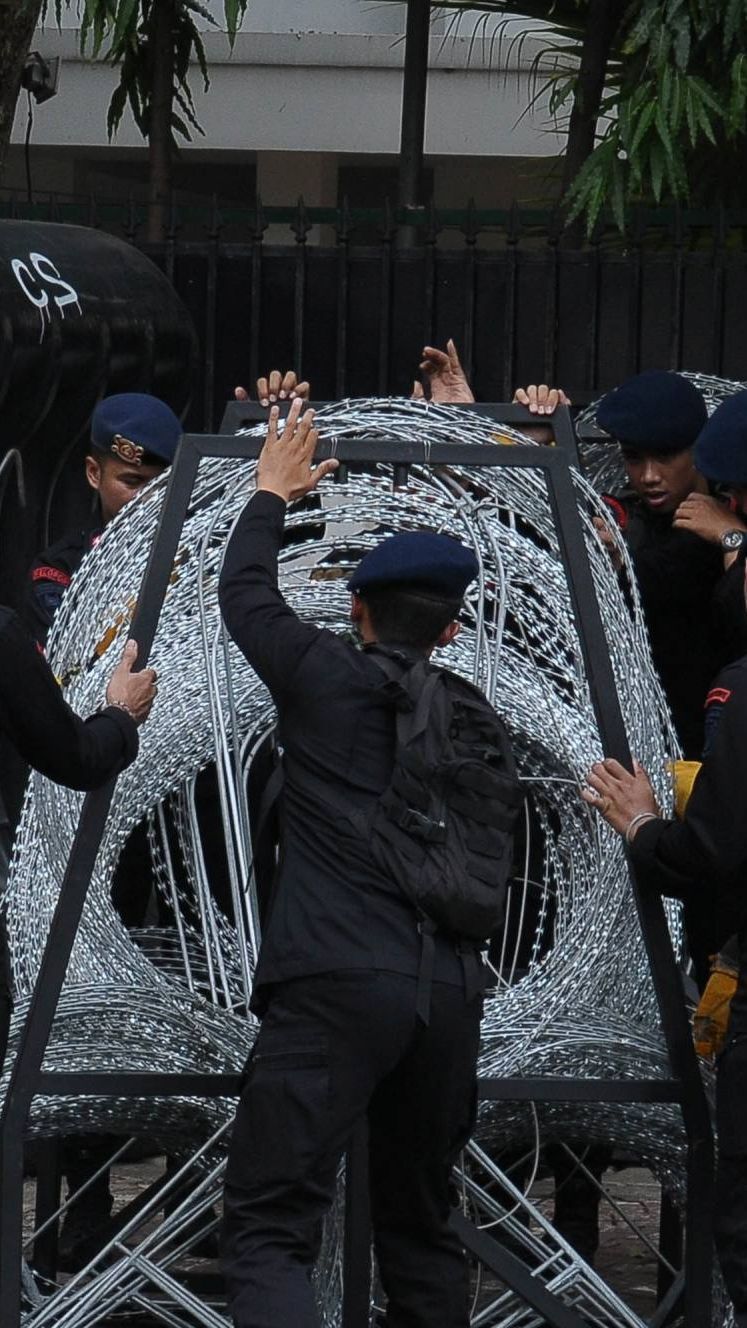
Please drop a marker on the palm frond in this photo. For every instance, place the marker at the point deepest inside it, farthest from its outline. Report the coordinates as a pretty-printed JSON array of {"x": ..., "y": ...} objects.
[{"x": 124, "y": 28}]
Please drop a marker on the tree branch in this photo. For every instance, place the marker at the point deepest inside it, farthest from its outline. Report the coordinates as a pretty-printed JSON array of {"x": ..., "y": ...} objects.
[{"x": 18, "y": 20}]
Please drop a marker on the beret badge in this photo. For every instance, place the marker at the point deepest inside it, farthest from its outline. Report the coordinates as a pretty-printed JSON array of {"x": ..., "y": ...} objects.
[{"x": 127, "y": 451}]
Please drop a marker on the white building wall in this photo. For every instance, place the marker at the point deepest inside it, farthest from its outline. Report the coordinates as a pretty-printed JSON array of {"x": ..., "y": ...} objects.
[
  {"x": 309, "y": 82},
  {"x": 332, "y": 90}
]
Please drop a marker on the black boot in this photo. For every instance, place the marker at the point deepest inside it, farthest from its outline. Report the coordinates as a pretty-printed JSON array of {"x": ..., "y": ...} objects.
[{"x": 87, "y": 1226}]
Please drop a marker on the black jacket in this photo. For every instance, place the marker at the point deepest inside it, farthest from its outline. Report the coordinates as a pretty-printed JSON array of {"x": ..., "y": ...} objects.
[
  {"x": 688, "y": 605},
  {"x": 332, "y": 909},
  {"x": 38, "y": 722},
  {"x": 706, "y": 852},
  {"x": 49, "y": 577}
]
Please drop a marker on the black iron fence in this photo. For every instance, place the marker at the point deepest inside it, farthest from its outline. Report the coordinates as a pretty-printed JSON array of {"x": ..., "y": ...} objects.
[{"x": 297, "y": 287}]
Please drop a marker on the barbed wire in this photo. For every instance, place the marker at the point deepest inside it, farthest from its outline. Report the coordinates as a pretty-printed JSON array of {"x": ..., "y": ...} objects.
[{"x": 574, "y": 995}]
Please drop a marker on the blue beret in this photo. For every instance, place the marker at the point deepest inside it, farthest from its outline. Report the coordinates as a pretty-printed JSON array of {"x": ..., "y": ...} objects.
[
  {"x": 436, "y": 562},
  {"x": 137, "y": 428},
  {"x": 655, "y": 411},
  {"x": 721, "y": 449}
]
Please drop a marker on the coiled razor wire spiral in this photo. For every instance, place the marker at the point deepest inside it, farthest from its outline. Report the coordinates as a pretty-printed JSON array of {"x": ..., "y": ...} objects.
[{"x": 574, "y": 995}]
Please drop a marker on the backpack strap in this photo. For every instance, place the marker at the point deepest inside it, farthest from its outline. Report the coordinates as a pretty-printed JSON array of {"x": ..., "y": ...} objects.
[
  {"x": 418, "y": 722},
  {"x": 474, "y": 970},
  {"x": 411, "y": 721},
  {"x": 427, "y": 929}
]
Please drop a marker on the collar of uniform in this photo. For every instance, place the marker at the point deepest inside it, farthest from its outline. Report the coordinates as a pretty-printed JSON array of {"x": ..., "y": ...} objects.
[{"x": 409, "y": 653}]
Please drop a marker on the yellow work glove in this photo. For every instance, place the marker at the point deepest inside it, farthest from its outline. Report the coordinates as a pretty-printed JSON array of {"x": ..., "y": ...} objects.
[
  {"x": 712, "y": 1014},
  {"x": 684, "y": 773}
]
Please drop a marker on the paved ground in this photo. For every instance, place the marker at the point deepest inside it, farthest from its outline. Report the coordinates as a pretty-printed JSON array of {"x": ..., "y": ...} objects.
[{"x": 623, "y": 1260}]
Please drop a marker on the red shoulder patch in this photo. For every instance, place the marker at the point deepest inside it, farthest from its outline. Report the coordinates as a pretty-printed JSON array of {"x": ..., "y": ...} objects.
[
  {"x": 718, "y": 696},
  {"x": 51, "y": 574},
  {"x": 617, "y": 509}
]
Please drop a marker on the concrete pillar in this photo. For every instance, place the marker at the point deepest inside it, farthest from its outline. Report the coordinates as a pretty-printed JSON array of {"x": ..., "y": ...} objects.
[{"x": 283, "y": 177}]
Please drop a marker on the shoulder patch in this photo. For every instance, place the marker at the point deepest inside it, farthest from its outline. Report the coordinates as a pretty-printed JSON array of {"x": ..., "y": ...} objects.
[
  {"x": 51, "y": 574},
  {"x": 618, "y": 510},
  {"x": 718, "y": 696}
]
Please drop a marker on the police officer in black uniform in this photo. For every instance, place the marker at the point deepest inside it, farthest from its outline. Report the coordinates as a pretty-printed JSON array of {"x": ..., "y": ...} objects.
[
  {"x": 706, "y": 852},
  {"x": 656, "y": 417},
  {"x": 134, "y": 437},
  {"x": 337, "y": 979},
  {"x": 48, "y": 735},
  {"x": 721, "y": 456}
]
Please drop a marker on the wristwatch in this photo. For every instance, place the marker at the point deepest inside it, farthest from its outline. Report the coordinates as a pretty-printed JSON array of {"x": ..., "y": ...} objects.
[{"x": 732, "y": 540}]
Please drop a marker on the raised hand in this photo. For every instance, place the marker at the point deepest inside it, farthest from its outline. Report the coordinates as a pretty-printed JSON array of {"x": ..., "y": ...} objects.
[
  {"x": 133, "y": 692},
  {"x": 276, "y": 386},
  {"x": 541, "y": 399},
  {"x": 445, "y": 376},
  {"x": 284, "y": 465}
]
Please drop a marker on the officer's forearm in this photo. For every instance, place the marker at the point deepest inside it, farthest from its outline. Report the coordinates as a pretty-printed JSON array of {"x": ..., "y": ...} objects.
[{"x": 264, "y": 627}]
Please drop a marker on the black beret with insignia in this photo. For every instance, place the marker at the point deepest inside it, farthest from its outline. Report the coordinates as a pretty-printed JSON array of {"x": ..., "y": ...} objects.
[
  {"x": 137, "y": 428},
  {"x": 656, "y": 411}
]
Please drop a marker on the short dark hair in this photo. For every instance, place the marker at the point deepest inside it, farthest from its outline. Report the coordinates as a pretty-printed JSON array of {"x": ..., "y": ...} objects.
[{"x": 409, "y": 614}]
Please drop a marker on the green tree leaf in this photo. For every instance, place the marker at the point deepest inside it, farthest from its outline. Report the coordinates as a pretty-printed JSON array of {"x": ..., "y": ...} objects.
[
  {"x": 657, "y": 167},
  {"x": 232, "y": 11},
  {"x": 644, "y": 124}
]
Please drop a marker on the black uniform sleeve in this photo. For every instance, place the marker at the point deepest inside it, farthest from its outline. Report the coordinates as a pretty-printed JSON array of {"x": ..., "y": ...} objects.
[
  {"x": 264, "y": 627},
  {"x": 45, "y": 587},
  {"x": 728, "y": 611},
  {"x": 41, "y": 725},
  {"x": 709, "y": 846}
]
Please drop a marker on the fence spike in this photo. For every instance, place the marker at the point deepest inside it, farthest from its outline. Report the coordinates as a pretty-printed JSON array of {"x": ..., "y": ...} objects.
[
  {"x": 260, "y": 220},
  {"x": 344, "y": 221},
  {"x": 471, "y": 229},
  {"x": 301, "y": 225},
  {"x": 433, "y": 227},
  {"x": 388, "y": 229}
]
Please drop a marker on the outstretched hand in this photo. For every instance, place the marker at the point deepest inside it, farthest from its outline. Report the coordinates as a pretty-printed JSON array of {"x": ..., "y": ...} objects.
[
  {"x": 284, "y": 465},
  {"x": 444, "y": 375}
]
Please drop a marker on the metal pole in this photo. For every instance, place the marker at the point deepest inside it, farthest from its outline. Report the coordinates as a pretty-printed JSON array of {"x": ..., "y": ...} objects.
[{"x": 412, "y": 134}]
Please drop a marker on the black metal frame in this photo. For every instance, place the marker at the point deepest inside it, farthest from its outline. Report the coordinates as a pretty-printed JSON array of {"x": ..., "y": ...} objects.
[
  {"x": 240, "y": 414},
  {"x": 684, "y": 1086}
]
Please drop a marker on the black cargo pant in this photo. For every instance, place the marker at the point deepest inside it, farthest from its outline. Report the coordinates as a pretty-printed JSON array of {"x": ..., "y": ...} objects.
[
  {"x": 330, "y": 1050},
  {"x": 730, "y": 1227}
]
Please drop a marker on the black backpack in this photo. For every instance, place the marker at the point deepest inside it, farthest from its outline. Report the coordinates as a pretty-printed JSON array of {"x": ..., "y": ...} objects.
[{"x": 443, "y": 828}]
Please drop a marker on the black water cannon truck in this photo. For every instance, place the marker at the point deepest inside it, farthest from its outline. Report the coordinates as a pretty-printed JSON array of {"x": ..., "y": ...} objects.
[{"x": 82, "y": 315}]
